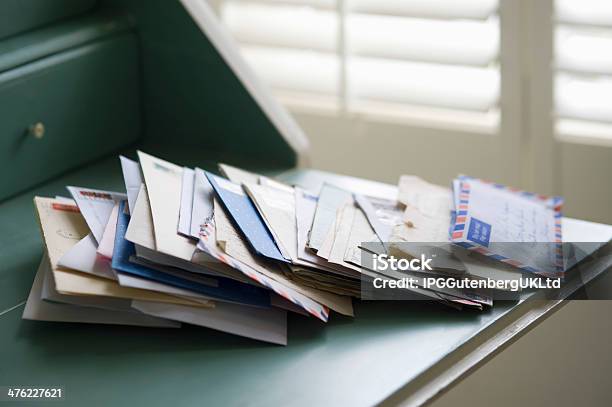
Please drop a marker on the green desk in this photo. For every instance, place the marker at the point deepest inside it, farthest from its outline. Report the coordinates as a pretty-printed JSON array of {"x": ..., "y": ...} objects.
[
  {"x": 101, "y": 76},
  {"x": 390, "y": 351}
]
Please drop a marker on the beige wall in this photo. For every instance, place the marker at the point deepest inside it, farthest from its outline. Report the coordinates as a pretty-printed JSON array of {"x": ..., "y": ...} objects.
[
  {"x": 564, "y": 362},
  {"x": 585, "y": 181}
]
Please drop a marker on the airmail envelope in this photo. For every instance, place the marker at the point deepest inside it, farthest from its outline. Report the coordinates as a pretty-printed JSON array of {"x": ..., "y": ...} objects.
[
  {"x": 489, "y": 217},
  {"x": 96, "y": 207}
]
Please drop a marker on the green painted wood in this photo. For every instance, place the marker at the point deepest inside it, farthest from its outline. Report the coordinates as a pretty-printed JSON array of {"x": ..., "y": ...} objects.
[
  {"x": 345, "y": 363},
  {"x": 86, "y": 97},
  {"x": 32, "y": 45},
  {"x": 190, "y": 95},
  {"x": 17, "y": 16}
]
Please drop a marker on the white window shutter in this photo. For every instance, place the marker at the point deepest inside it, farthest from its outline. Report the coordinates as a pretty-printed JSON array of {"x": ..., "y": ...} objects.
[
  {"x": 442, "y": 54},
  {"x": 583, "y": 68}
]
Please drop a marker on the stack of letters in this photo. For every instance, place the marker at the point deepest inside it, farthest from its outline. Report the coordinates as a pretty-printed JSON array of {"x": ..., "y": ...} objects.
[{"x": 237, "y": 252}]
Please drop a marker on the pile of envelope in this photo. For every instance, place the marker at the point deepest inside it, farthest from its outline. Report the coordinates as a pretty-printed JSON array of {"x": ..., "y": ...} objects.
[{"x": 234, "y": 253}]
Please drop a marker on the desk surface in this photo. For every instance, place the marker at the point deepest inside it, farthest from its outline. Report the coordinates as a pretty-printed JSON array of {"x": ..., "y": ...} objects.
[{"x": 348, "y": 361}]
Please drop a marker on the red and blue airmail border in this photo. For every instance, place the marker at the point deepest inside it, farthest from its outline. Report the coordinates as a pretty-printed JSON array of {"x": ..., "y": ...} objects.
[{"x": 475, "y": 234}]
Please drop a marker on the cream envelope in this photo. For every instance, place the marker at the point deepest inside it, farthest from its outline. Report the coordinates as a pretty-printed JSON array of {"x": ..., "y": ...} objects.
[
  {"x": 96, "y": 207},
  {"x": 277, "y": 207},
  {"x": 140, "y": 228},
  {"x": 74, "y": 283},
  {"x": 326, "y": 245},
  {"x": 237, "y": 175},
  {"x": 132, "y": 178},
  {"x": 305, "y": 206},
  {"x": 341, "y": 237},
  {"x": 62, "y": 227},
  {"x": 263, "y": 324},
  {"x": 50, "y": 293},
  {"x": 163, "y": 181},
  {"x": 126, "y": 280},
  {"x": 237, "y": 249},
  {"x": 427, "y": 215},
  {"x": 361, "y": 231},
  {"x": 331, "y": 198},
  {"x": 39, "y": 310}
]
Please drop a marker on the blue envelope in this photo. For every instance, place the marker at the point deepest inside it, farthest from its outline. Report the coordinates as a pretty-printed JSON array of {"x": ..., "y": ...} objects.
[
  {"x": 245, "y": 217},
  {"x": 226, "y": 289}
]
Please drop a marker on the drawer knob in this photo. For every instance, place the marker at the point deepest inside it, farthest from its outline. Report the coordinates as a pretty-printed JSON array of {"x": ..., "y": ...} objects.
[{"x": 37, "y": 130}]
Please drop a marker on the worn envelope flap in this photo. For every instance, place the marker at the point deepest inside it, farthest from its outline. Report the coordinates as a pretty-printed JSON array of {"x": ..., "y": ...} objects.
[{"x": 163, "y": 180}]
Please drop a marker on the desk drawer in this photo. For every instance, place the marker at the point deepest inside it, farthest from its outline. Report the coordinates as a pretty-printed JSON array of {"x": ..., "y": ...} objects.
[
  {"x": 17, "y": 16},
  {"x": 67, "y": 109}
]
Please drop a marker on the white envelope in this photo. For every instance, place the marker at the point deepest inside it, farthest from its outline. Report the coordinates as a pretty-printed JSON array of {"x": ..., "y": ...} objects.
[
  {"x": 187, "y": 189},
  {"x": 277, "y": 208},
  {"x": 202, "y": 206},
  {"x": 263, "y": 324},
  {"x": 163, "y": 180},
  {"x": 132, "y": 178},
  {"x": 39, "y": 310},
  {"x": 106, "y": 245},
  {"x": 84, "y": 257},
  {"x": 331, "y": 198},
  {"x": 382, "y": 214},
  {"x": 140, "y": 229},
  {"x": 95, "y": 206}
]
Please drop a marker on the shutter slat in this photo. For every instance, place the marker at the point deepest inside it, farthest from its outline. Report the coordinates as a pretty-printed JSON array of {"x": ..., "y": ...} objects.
[
  {"x": 424, "y": 84},
  {"x": 288, "y": 26},
  {"x": 587, "y": 12},
  {"x": 444, "y": 9},
  {"x": 452, "y": 42},
  {"x": 295, "y": 70},
  {"x": 586, "y": 99},
  {"x": 583, "y": 50}
]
